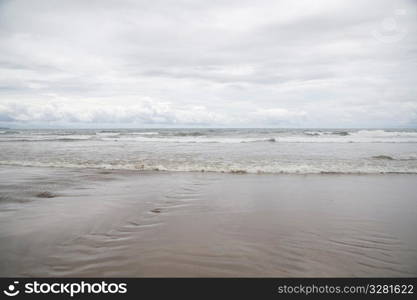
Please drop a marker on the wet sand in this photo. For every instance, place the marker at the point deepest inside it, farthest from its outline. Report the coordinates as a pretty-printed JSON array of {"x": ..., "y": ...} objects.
[{"x": 69, "y": 222}]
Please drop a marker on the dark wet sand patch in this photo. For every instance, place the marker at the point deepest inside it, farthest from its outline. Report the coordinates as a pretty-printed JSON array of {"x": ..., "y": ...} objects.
[
  {"x": 387, "y": 157},
  {"x": 105, "y": 172},
  {"x": 238, "y": 172},
  {"x": 46, "y": 195}
]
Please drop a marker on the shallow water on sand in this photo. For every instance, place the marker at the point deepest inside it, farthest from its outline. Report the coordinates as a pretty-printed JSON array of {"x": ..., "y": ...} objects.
[{"x": 114, "y": 223}]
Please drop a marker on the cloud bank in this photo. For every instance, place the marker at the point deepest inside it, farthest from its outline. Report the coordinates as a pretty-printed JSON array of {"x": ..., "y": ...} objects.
[{"x": 230, "y": 63}]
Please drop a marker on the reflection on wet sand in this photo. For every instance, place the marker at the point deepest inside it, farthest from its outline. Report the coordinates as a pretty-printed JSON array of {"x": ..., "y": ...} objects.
[{"x": 191, "y": 224}]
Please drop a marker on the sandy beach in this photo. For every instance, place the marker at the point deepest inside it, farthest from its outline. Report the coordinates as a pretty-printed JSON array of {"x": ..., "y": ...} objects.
[
  {"x": 87, "y": 222},
  {"x": 208, "y": 139}
]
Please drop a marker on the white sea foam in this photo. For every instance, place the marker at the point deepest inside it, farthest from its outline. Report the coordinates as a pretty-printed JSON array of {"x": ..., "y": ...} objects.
[
  {"x": 229, "y": 151},
  {"x": 222, "y": 168},
  {"x": 227, "y": 137},
  {"x": 376, "y": 133},
  {"x": 187, "y": 139}
]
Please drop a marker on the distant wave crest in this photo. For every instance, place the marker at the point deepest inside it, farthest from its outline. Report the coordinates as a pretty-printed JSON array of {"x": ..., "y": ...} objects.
[
  {"x": 319, "y": 133},
  {"x": 215, "y": 136}
]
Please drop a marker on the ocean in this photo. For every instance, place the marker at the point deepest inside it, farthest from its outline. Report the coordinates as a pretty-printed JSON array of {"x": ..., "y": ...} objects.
[
  {"x": 208, "y": 202},
  {"x": 288, "y": 151}
]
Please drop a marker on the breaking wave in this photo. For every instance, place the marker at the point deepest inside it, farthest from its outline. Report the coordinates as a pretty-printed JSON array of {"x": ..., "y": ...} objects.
[
  {"x": 319, "y": 133},
  {"x": 387, "y": 157},
  {"x": 145, "y": 133},
  {"x": 215, "y": 136},
  {"x": 220, "y": 168},
  {"x": 195, "y": 133},
  {"x": 237, "y": 151}
]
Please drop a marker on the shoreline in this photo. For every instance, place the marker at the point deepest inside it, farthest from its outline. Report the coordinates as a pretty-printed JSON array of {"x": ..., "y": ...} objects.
[
  {"x": 232, "y": 172},
  {"x": 95, "y": 223}
]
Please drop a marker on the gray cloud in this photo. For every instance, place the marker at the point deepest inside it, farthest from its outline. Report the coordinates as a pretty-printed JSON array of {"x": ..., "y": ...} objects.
[{"x": 209, "y": 63}]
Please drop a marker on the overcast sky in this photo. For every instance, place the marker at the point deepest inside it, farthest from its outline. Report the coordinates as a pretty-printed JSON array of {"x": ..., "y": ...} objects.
[{"x": 125, "y": 63}]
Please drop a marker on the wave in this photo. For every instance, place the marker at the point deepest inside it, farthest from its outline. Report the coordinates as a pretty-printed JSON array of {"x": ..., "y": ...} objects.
[
  {"x": 387, "y": 157},
  {"x": 344, "y": 140},
  {"x": 107, "y": 133},
  {"x": 143, "y": 133},
  {"x": 201, "y": 168},
  {"x": 189, "y": 139},
  {"x": 397, "y": 157},
  {"x": 320, "y": 133},
  {"x": 195, "y": 133},
  {"x": 376, "y": 133},
  {"x": 53, "y": 133},
  {"x": 9, "y": 132},
  {"x": 384, "y": 133},
  {"x": 271, "y": 140},
  {"x": 333, "y": 136},
  {"x": 219, "y": 136},
  {"x": 48, "y": 139},
  {"x": 69, "y": 139},
  {"x": 219, "y": 140}
]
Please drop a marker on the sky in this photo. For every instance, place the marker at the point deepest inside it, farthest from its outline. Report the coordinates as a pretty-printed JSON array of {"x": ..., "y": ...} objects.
[{"x": 199, "y": 63}]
